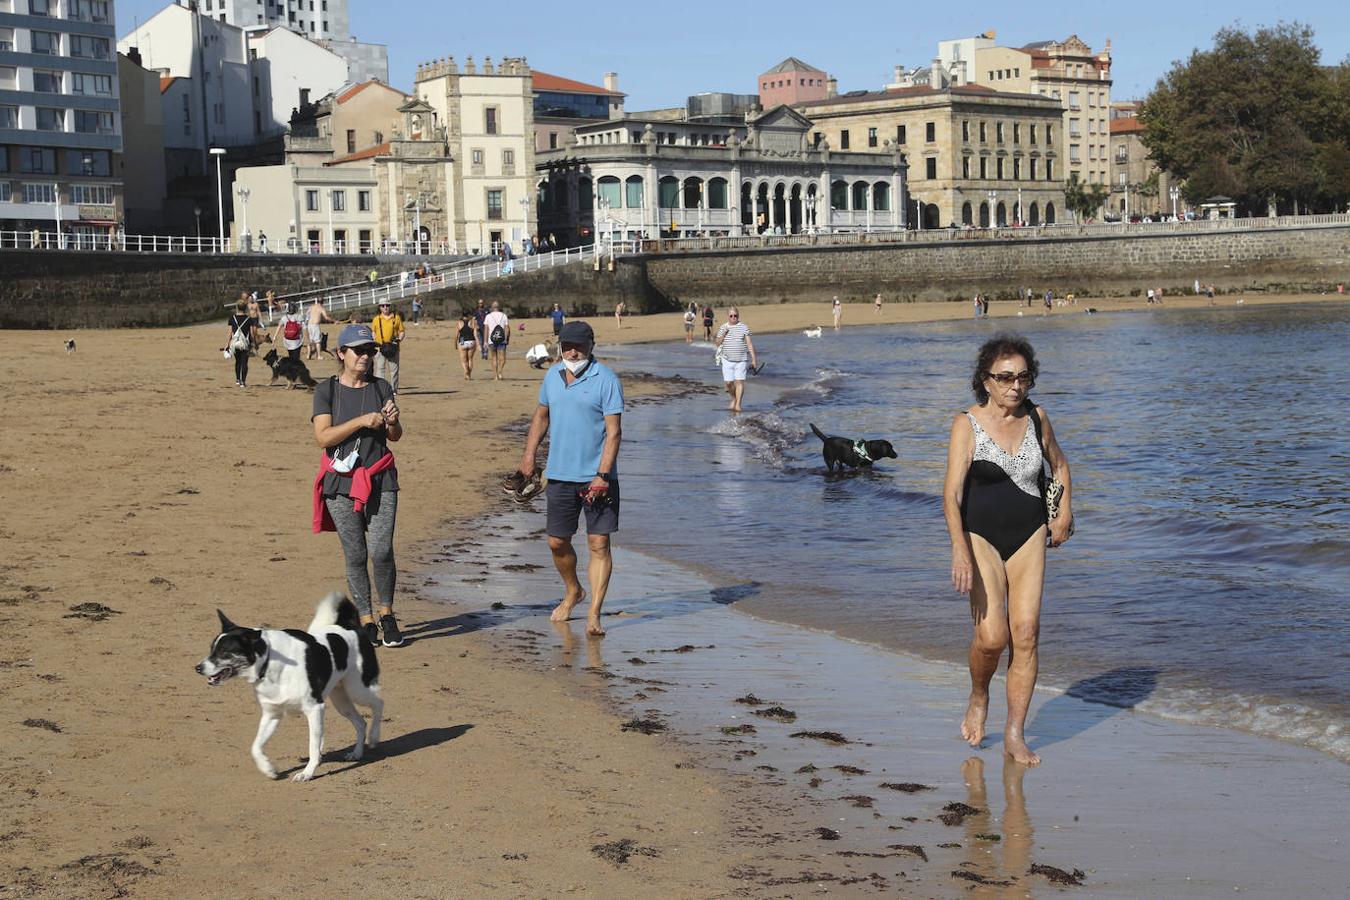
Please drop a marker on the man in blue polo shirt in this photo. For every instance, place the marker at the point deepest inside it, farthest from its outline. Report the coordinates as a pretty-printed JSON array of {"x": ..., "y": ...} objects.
[{"x": 580, "y": 406}]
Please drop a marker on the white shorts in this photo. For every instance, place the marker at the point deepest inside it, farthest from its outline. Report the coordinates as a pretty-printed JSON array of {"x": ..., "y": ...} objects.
[
  {"x": 734, "y": 371},
  {"x": 466, "y": 345},
  {"x": 314, "y": 334}
]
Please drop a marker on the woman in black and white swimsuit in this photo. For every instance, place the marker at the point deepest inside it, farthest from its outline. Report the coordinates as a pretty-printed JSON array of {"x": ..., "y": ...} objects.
[{"x": 996, "y": 517}]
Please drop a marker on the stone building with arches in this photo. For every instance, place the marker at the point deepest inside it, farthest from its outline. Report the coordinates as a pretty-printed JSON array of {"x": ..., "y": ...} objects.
[
  {"x": 638, "y": 177},
  {"x": 978, "y": 157}
]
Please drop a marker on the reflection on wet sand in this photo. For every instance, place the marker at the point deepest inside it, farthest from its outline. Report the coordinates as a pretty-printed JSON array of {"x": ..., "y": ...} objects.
[
  {"x": 997, "y": 862},
  {"x": 568, "y": 647}
]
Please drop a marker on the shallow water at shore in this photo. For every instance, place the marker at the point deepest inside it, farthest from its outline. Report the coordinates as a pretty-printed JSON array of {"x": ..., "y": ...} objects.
[{"x": 1206, "y": 582}]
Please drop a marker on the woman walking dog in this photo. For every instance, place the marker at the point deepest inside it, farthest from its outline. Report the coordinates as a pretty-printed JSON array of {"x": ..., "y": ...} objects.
[
  {"x": 356, "y": 491},
  {"x": 997, "y": 517}
]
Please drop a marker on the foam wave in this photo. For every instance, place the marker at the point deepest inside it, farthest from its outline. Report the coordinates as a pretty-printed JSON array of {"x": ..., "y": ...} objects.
[{"x": 768, "y": 434}]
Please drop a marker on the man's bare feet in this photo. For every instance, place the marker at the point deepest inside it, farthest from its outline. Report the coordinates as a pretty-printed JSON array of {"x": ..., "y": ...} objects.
[
  {"x": 972, "y": 726},
  {"x": 1017, "y": 750},
  {"x": 564, "y": 609},
  {"x": 593, "y": 627}
]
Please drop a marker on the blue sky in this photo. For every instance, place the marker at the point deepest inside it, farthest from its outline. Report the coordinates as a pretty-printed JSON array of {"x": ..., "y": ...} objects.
[{"x": 722, "y": 46}]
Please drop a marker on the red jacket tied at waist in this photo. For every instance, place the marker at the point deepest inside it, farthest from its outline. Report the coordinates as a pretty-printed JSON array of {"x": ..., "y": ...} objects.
[{"x": 359, "y": 490}]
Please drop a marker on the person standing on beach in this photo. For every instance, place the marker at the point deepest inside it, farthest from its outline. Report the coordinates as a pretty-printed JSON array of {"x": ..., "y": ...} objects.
[
  {"x": 317, "y": 316},
  {"x": 996, "y": 517},
  {"x": 580, "y": 408},
  {"x": 876, "y": 304},
  {"x": 708, "y": 320},
  {"x": 690, "y": 317},
  {"x": 558, "y": 317},
  {"x": 389, "y": 333},
  {"x": 618, "y": 314},
  {"x": 497, "y": 327},
  {"x": 480, "y": 313},
  {"x": 290, "y": 331},
  {"x": 356, "y": 491},
  {"x": 243, "y": 337},
  {"x": 837, "y": 310},
  {"x": 738, "y": 356}
]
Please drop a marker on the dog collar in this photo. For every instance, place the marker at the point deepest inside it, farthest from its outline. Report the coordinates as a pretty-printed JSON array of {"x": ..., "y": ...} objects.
[{"x": 860, "y": 448}]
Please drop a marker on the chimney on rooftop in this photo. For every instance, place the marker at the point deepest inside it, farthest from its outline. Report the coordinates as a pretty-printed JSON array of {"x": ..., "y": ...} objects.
[
  {"x": 935, "y": 74},
  {"x": 831, "y": 87},
  {"x": 134, "y": 54},
  {"x": 612, "y": 82}
]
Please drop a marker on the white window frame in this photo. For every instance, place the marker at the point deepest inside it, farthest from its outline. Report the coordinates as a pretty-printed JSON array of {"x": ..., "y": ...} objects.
[{"x": 46, "y": 189}]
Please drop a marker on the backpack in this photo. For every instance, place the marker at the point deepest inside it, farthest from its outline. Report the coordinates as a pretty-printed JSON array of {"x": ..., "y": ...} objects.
[
  {"x": 240, "y": 341},
  {"x": 498, "y": 335},
  {"x": 291, "y": 331}
]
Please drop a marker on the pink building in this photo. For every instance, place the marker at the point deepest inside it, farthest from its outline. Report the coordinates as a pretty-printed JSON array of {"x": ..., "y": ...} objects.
[{"x": 791, "y": 82}]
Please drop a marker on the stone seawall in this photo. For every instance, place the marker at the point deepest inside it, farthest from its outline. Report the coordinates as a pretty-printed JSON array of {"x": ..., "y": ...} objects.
[
  {"x": 580, "y": 288},
  {"x": 81, "y": 289},
  {"x": 1260, "y": 259}
]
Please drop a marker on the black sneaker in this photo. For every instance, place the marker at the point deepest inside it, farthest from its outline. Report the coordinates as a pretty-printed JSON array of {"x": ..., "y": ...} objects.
[
  {"x": 392, "y": 636},
  {"x": 372, "y": 632}
]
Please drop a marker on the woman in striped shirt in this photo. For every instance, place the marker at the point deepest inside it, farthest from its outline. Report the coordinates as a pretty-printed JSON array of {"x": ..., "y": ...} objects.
[{"x": 738, "y": 353}]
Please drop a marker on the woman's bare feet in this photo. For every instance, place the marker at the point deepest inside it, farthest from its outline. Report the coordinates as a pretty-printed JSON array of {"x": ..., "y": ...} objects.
[
  {"x": 1018, "y": 751},
  {"x": 972, "y": 726},
  {"x": 564, "y": 609}
]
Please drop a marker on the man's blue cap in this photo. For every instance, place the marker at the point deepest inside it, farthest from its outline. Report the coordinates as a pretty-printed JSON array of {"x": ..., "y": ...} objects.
[
  {"x": 575, "y": 332},
  {"x": 355, "y": 336}
]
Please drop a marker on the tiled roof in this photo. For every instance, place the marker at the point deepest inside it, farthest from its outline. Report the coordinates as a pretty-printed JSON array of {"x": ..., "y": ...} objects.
[
  {"x": 793, "y": 64},
  {"x": 166, "y": 81},
  {"x": 368, "y": 153},
  {"x": 1126, "y": 125},
  {"x": 355, "y": 89},
  {"x": 546, "y": 82}
]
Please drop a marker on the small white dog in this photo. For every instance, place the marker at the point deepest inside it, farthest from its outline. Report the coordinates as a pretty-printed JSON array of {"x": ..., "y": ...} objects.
[
  {"x": 812, "y": 332},
  {"x": 296, "y": 671}
]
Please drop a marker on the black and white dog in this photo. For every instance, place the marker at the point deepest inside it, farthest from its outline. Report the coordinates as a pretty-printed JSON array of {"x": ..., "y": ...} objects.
[
  {"x": 293, "y": 370},
  {"x": 844, "y": 451},
  {"x": 295, "y": 671},
  {"x": 70, "y": 346}
]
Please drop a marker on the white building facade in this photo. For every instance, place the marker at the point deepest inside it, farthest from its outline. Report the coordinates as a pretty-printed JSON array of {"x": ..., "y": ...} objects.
[
  {"x": 60, "y": 129},
  {"x": 315, "y": 19}
]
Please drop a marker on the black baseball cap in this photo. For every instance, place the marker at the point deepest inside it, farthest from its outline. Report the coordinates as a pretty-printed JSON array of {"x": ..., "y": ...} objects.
[{"x": 576, "y": 333}]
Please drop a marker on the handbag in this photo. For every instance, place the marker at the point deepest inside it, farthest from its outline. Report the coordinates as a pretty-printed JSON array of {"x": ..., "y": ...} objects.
[{"x": 1052, "y": 489}]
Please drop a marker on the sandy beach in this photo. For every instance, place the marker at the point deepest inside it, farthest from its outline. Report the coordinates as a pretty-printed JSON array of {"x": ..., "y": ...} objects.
[{"x": 146, "y": 490}]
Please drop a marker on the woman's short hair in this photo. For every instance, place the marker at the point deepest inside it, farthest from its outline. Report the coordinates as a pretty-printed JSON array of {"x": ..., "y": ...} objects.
[{"x": 992, "y": 351}]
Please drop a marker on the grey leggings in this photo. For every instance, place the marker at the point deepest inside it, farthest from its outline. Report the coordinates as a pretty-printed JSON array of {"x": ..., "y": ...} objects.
[{"x": 367, "y": 535}]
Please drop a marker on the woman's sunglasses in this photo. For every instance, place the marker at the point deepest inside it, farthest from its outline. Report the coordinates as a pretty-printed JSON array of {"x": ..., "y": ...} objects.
[
  {"x": 1009, "y": 377},
  {"x": 363, "y": 350}
]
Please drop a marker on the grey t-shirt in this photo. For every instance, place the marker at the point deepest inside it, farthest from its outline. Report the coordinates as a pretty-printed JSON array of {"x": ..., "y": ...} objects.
[{"x": 343, "y": 403}]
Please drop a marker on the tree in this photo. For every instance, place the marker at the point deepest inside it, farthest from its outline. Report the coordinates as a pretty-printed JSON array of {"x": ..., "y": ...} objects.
[
  {"x": 1251, "y": 119},
  {"x": 1084, "y": 200}
]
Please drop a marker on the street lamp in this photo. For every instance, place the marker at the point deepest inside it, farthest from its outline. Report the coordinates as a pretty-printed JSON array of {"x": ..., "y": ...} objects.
[
  {"x": 811, "y": 213},
  {"x": 1175, "y": 193},
  {"x": 219, "y": 152},
  {"x": 525, "y": 216},
  {"x": 244, "y": 236},
  {"x": 602, "y": 206},
  {"x": 1020, "y": 218},
  {"x": 993, "y": 207},
  {"x": 197, "y": 214}
]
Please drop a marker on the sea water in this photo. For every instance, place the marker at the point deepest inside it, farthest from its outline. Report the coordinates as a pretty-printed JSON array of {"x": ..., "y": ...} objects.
[{"x": 1209, "y": 450}]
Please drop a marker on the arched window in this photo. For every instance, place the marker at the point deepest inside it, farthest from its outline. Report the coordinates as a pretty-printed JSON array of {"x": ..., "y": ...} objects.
[
  {"x": 860, "y": 195},
  {"x": 1049, "y": 213},
  {"x": 1002, "y": 213},
  {"x": 838, "y": 195},
  {"x": 693, "y": 192},
  {"x": 1034, "y": 214},
  {"x": 542, "y": 198},
  {"x": 881, "y": 196},
  {"x": 668, "y": 196},
  {"x": 585, "y": 194},
  {"x": 609, "y": 191},
  {"x": 966, "y": 217},
  {"x": 984, "y": 215},
  {"x": 717, "y": 193},
  {"x": 633, "y": 189}
]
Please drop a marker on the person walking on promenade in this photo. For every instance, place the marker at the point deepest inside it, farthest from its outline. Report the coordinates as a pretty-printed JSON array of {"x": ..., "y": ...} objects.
[
  {"x": 243, "y": 337},
  {"x": 580, "y": 408},
  {"x": 836, "y": 310},
  {"x": 498, "y": 329},
  {"x": 317, "y": 317},
  {"x": 480, "y": 314},
  {"x": 290, "y": 331},
  {"x": 996, "y": 517},
  {"x": 466, "y": 342},
  {"x": 389, "y": 333},
  {"x": 558, "y": 317},
  {"x": 356, "y": 491},
  {"x": 738, "y": 356},
  {"x": 709, "y": 317}
]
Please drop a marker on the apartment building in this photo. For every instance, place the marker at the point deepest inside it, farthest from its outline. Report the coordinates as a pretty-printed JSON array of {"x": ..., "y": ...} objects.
[
  {"x": 60, "y": 131},
  {"x": 1068, "y": 71},
  {"x": 976, "y": 156},
  {"x": 315, "y": 19}
]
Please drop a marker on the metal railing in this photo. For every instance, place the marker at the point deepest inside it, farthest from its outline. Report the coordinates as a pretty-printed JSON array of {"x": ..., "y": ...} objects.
[
  {"x": 391, "y": 289},
  {"x": 161, "y": 243},
  {"x": 967, "y": 233}
]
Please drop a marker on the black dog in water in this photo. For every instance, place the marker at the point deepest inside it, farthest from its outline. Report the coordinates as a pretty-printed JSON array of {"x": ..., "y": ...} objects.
[
  {"x": 847, "y": 452},
  {"x": 293, "y": 370}
]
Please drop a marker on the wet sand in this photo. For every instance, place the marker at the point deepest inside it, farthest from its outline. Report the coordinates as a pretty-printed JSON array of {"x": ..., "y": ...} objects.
[{"x": 145, "y": 490}]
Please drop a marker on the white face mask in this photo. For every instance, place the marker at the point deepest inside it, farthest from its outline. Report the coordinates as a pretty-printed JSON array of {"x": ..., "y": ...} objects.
[
  {"x": 576, "y": 366},
  {"x": 346, "y": 463}
]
